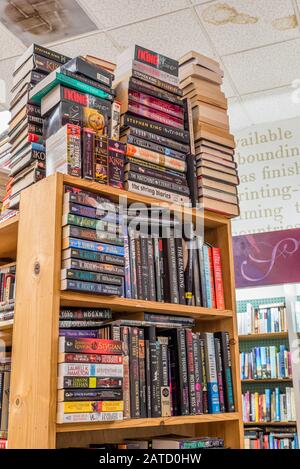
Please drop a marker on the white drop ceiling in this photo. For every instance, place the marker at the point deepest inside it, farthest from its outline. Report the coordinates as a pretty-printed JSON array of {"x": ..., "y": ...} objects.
[{"x": 256, "y": 41}]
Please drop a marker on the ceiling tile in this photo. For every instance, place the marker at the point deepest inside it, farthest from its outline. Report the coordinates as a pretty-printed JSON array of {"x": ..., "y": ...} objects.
[
  {"x": 265, "y": 68},
  {"x": 263, "y": 22},
  {"x": 10, "y": 44},
  {"x": 96, "y": 44},
  {"x": 115, "y": 13},
  {"x": 238, "y": 117},
  {"x": 155, "y": 34},
  {"x": 6, "y": 70}
]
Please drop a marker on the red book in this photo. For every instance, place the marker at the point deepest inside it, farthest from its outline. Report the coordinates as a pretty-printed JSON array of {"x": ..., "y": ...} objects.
[
  {"x": 3, "y": 443},
  {"x": 212, "y": 280},
  {"x": 218, "y": 278},
  {"x": 31, "y": 137},
  {"x": 90, "y": 358},
  {"x": 100, "y": 346}
]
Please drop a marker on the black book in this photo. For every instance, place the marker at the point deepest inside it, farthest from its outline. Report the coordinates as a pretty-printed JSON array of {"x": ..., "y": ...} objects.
[
  {"x": 191, "y": 371},
  {"x": 226, "y": 370},
  {"x": 94, "y": 72},
  {"x": 42, "y": 51},
  {"x": 180, "y": 270},
  {"x": 219, "y": 370},
  {"x": 172, "y": 269},
  {"x": 134, "y": 372},
  {"x": 142, "y": 374},
  {"x": 148, "y": 378},
  {"x": 132, "y": 260},
  {"x": 138, "y": 266},
  {"x": 64, "y": 113},
  {"x": 188, "y": 271},
  {"x": 196, "y": 278},
  {"x": 145, "y": 269},
  {"x": 126, "y": 365},
  {"x": 198, "y": 374},
  {"x": 204, "y": 378},
  {"x": 151, "y": 271},
  {"x": 155, "y": 391}
]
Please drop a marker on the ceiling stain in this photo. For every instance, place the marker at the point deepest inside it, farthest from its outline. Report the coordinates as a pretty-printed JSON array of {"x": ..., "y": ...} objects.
[
  {"x": 222, "y": 13},
  {"x": 285, "y": 23}
]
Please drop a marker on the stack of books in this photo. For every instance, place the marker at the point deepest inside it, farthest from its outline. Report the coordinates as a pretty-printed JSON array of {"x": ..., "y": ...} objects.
[
  {"x": 7, "y": 292},
  {"x": 266, "y": 362},
  {"x": 81, "y": 122},
  {"x": 5, "y": 372},
  {"x": 93, "y": 244},
  {"x": 5, "y": 149},
  {"x": 153, "y": 125},
  {"x": 27, "y": 163},
  {"x": 271, "y": 406},
  {"x": 200, "y": 81},
  {"x": 271, "y": 438},
  {"x": 90, "y": 375},
  {"x": 266, "y": 319}
]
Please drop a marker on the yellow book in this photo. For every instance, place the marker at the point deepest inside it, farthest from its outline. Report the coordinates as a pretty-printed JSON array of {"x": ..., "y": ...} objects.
[{"x": 90, "y": 406}]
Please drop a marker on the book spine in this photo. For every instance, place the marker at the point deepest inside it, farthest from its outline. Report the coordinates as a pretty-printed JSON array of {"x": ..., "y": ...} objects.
[
  {"x": 217, "y": 268},
  {"x": 144, "y": 266},
  {"x": 155, "y": 115},
  {"x": 85, "y": 99},
  {"x": 191, "y": 371},
  {"x": 155, "y": 192},
  {"x": 91, "y": 406},
  {"x": 126, "y": 366},
  {"x": 196, "y": 275},
  {"x": 158, "y": 273},
  {"x": 100, "y": 257},
  {"x": 151, "y": 271},
  {"x": 82, "y": 314},
  {"x": 158, "y": 69},
  {"x": 198, "y": 374},
  {"x": 148, "y": 378},
  {"x": 156, "y": 181},
  {"x": 139, "y": 142},
  {"x": 138, "y": 267},
  {"x": 101, "y": 160},
  {"x": 189, "y": 273},
  {"x": 90, "y": 287},
  {"x": 49, "y": 54},
  {"x": 212, "y": 280},
  {"x": 91, "y": 276},
  {"x": 127, "y": 262},
  {"x": 140, "y": 168},
  {"x": 89, "y": 417},
  {"x": 204, "y": 376},
  {"x": 207, "y": 276},
  {"x": 172, "y": 265},
  {"x": 90, "y": 358},
  {"x": 158, "y": 139},
  {"x": 74, "y": 382},
  {"x": 92, "y": 235},
  {"x": 156, "y": 82},
  {"x": 180, "y": 270},
  {"x": 219, "y": 374},
  {"x": 155, "y": 103},
  {"x": 227, "y": 371},
  {"x": 183, "y": 372},
  {"x": 155, "y": 158},
  {"x": 43, "y": 64},
  {"x": 147, "y": 88},
  {"x": 179, "y": 135},
  {"x": 133, "y": 269},
  {"x": 88, "y": 165},
  {"x": 115, "y": 120},
  {"x": 212, "y": 379},
  {"x": 96, "y": 370},
  {"x": 99, "y": 394},
  {"x": 91, "y": 223},
  {"x": 93, "y": 246},
  {"x": 116, "y": 158},
  {"x": 74, "y": 150},
  {"x": 164, "y": 378},
  {"x": 142, "y": 375},
  {"x": 134, "y": 372},
  {"x": 155, "y": 391}
]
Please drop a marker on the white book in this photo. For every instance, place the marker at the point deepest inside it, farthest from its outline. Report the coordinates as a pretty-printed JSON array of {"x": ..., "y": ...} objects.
[
  {"x": 89, "y": 417},
  {"x": 90, "y": 369}
]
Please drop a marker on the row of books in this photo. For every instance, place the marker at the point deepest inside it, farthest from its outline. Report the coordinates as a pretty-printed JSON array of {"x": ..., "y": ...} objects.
[
  {"x": 265, "y": 319},
  {"x": 150, "y": 366},
  {"x": 266, "y": 362},
  {"x": 216, "y": 170},
  {"x": 7, "y": 291},
  {"x": 5, "y": 371},
  {"x": 166, "y": 442},
  {"x": 271, "y": 438},
  {"x": 273, "y": 405},
  {"x": 101, "y": 246}
]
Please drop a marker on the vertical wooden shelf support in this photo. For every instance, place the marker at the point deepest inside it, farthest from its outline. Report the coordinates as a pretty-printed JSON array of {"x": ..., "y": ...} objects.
[{"x": 33, "y": 380}]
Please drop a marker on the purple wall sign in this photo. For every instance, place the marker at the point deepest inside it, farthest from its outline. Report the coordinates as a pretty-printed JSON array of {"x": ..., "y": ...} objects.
[{"x": 267, "y": 258}]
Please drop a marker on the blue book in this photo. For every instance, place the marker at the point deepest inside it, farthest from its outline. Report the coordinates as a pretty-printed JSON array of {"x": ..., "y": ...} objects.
[
  {"x": 79, "y": 334},
  {"x": 281, "y": 361},
  {"x": 263, "y": 357},
  {"x": 94, "y": 246},
  {"x": 268, "y": 403},
  {"x": 269, "y": 320},
  {"x": 211, "y": 373},
  {"x": 38, "y": 147},
  {"x": 277, "y": 405},
  {"x": 207, "y": 276},
  {"x": 271, "y": 442}
]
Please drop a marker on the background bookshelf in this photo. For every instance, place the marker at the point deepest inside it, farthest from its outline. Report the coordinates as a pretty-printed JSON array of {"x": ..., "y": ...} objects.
[
  {"x": 267, "y": 296},
  {"x": 36, "y": 245}
]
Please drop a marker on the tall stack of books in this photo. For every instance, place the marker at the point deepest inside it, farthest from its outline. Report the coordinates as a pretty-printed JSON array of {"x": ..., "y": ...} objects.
[
  {"x": 90, "y": 370},
  {"x": 93, "y": 245},
  {"x": 273, "y": 405},
  {"x": 7, "y": 291},
  {"x": 81, "y": 122},
  {"x": 266, "y": 362},
  {"x": 27, "y": 163},
  {"x": 200, "y": 81},
  {"x": 153, "y": 125},
  {"x": 267, "y": 318},
  {"x": 271, "y": 438}
]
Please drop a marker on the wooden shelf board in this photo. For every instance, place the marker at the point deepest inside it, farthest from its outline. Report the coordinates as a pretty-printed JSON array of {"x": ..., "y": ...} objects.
[
  {"x": 69, "y": 298},
  {"x": 8, "y": 238},
  {"x": 212, "y": 220},
  {"x": 268, "y": 380},
  {"x": 269, "y": 424},
  {"x": 141, "y": 423},
  {"x": 6, "y": 325},
  {"x": 271, "y": 335}
]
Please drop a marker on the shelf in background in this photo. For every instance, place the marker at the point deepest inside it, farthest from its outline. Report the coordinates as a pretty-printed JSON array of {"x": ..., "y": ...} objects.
[
  {"x": 6, "y": 325},
  {"x": 68, "y": 298},
  {"x": 270, "y": 335},
  {"x": 268, "y": 380},
  {"x": 269, "y": 424},
  {"x": 9, "y": 238},
  {"x": 142, "y": 423}
]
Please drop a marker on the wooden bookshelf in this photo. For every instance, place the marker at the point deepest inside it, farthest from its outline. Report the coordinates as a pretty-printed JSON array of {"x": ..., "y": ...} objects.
[
  {"x": 267, "y": 336},
  {"x": 6, "y": 325},
  {"x": 8, "y": 239},
  {"x": 32, "y": 422},
  {"x": 268, "y": 380}
]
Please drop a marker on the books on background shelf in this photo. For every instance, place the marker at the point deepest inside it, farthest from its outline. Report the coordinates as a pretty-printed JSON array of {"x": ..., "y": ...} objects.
[
  {"x": 266, "y": 362},
  {"x": 268, "y": 318},
  {"x": 271, "y": 438},
  {"x": 217, "y": 179},
  {"x": 154, "y": 366},
  {"x": 105, "y": 255},
  {"x": 167, "y": 442},
  {"x": 7, "y": 292},
  {"x": 27, "y": 146},
  {"x": 5, "y": 371},
  {"x": 273, "y": 405},
  {"x": 154, "y": 126}
]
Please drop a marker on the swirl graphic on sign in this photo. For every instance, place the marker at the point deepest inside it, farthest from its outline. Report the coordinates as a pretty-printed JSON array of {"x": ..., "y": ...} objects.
[{"x": 284, "y": 248}]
